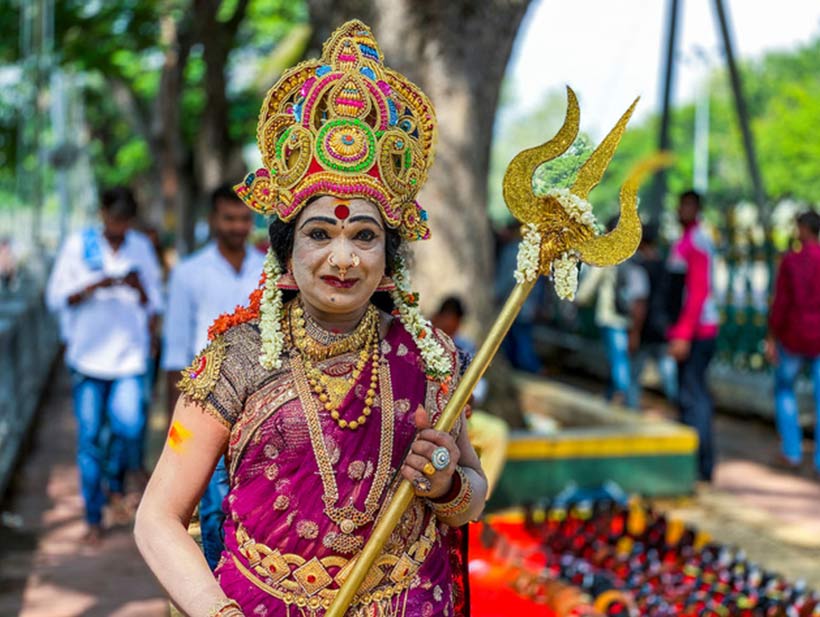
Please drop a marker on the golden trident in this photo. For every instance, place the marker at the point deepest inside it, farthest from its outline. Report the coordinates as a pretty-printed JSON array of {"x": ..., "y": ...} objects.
[{"x": 565, "y": 230}]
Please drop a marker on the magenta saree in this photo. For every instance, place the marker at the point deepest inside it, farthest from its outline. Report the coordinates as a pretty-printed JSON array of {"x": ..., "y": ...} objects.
[{"x": 305, "y": 492}]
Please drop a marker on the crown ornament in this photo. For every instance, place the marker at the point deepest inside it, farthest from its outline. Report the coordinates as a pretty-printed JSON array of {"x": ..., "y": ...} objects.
[{"x": 344, "y": 125}]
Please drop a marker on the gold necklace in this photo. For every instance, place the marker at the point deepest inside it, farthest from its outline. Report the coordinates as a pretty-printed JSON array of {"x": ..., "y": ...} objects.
[
  {"x": 319, "y": 344},
  {"x": 322, "y": 385},
  {"x": 348, "y": 518}
]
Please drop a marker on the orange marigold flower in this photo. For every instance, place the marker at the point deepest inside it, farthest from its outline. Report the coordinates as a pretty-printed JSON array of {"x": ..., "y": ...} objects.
[{"x": 240, "y": 315}]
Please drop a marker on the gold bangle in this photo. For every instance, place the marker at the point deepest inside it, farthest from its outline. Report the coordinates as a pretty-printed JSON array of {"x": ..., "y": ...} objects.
[
  {"x": 226, "y": 608},
  {"x": 460, "y": 503}
]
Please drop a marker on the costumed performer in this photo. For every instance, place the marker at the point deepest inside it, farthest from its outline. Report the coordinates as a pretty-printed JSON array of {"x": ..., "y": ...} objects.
[{"x": 321, "y": 393}]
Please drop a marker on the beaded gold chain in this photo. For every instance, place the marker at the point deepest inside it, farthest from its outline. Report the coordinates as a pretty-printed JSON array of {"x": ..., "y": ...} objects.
[
  {"x": 366, "y": 337},
  {"x": 348, "y": 518}
]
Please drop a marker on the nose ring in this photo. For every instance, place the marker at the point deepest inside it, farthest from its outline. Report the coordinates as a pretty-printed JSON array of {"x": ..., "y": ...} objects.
[
  {"x": 355, "y": 260},
  {"x": 342, "y": 269}
]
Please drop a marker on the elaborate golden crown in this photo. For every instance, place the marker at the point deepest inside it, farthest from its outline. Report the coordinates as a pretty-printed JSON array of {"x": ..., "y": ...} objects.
[{"x": 348, "y": 126}]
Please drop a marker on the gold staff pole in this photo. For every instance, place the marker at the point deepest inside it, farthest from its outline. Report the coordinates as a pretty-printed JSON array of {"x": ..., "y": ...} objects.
[{"x": 559, "y": 232}]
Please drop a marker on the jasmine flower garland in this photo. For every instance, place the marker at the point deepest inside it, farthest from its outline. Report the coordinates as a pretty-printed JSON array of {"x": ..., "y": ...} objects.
[
  {"x": 529, "y": 255},
  {"x": 437, "y": 365},
  {"x": 270, "y": 313},
  {"x": 578, "y": 209},
  {"x": 565, "y": 275}
]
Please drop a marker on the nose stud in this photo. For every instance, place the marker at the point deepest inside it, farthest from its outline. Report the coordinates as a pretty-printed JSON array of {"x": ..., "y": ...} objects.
[
  {"x": 355, "y": 260},
  {"x": 333, "y": 264}
]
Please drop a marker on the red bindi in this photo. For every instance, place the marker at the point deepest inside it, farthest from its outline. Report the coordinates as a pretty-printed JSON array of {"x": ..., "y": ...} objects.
[{"x": 342, "y": 212}]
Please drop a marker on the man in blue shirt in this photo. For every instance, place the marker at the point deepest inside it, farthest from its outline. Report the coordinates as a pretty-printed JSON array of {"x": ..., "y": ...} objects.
[{"x": 204, "y": 285}]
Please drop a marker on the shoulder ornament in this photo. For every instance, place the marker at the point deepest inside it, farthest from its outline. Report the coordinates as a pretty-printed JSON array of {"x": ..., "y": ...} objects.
[{"x": 199, "y": 379}]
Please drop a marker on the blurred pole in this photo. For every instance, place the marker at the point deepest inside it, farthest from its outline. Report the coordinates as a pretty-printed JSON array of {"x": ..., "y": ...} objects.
[
  {"x": 44, "y": 70},
  {"x": 657, "y": 191},
  {"x": 40, "y": 19},
  {"x": 24, "y": 121},
  {"x": 743, "y": 118},
  {"x": 36, "y": 51},
  {"x": 63, "y": 151},
  {"x": 763, "y": 210},
  {"x": 700, "y": 178}
]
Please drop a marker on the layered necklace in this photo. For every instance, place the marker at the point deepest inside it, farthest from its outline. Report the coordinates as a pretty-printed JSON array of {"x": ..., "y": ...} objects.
[
  {"x": 316, "y": 344},
  {"x": 311, "y": 385}
]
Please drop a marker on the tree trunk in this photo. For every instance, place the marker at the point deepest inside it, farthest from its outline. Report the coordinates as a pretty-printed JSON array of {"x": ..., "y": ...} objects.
[
  {"x": 126, "y": 100},
  {"x": 167, "y": 143},
  {"x": 457, "y": 53},
  {"x": 217, "y": 157}
]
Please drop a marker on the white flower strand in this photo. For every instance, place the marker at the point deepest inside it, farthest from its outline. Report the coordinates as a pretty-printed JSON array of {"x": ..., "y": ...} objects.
[
  {"x": 578, "y": 209},
  {"x": 565, "y": 275},
  {"x": 435, "y": 358},
  {"x": 529, "y": 255},
  {"x": 270, "y": 315}
]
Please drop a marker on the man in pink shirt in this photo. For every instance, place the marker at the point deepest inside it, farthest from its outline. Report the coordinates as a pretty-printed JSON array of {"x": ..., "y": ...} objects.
[
  {"x": 693, "y": 333},
  {"x": 794, "y": 336}
]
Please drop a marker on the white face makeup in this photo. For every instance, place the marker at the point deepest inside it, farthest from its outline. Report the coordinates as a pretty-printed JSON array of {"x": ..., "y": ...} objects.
[{"x": 338, "y": 257}]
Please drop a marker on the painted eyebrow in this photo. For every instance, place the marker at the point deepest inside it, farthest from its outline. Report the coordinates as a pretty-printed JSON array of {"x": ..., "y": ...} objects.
[
  {"x": 364, "y": 218},
  {"x": 319, "y": 219}
]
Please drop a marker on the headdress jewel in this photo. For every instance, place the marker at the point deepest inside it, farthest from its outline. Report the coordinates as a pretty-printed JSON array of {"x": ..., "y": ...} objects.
[{"x": 348, "y": 126}]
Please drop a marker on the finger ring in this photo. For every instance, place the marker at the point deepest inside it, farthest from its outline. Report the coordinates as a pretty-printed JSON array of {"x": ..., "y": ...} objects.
[
  {"x": 422, "y": 484},
  {"x": 428, "y": 469},
  {"x": 440, "y": 458}
]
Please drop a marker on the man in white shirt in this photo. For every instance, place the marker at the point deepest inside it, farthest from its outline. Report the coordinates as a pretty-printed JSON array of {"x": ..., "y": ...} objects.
[
  {"x": 107, "y": 283},
  {"x": 206, "y": 284}
]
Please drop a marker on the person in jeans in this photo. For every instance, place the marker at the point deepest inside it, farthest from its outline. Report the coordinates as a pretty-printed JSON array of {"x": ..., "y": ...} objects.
[
  {"x": 650, "y": 319},
  {"x": 794, "y": 336},
  {"x": 693, "y": 333},
  {"x": 206, "y": 284},
  {"x": 617, "y": 290},
  {"x": 108, "y": 284}
]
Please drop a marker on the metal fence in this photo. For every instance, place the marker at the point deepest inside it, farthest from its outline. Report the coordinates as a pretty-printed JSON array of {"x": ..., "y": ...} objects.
[{"x": 29, "y": 344}]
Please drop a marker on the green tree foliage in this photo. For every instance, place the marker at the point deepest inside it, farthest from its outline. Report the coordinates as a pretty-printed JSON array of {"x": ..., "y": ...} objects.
[
  {"x": 11, "y": 91},
  {"x": 787, "y": 100},
  {"x": 120, "y": 48}
]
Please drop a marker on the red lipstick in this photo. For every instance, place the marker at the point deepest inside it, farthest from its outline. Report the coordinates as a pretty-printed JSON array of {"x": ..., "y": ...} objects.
[{"x": 339, "y": 283}]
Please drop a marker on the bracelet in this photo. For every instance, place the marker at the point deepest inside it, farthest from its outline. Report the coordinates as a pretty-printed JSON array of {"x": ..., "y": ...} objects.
[
  {"x": 226, "y": 608},
  {"x": 458, "y": 504},
  {"x": 452, "y": 492}
]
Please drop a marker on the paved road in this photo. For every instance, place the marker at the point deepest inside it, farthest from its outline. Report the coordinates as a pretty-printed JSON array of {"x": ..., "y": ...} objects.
[
  {"x": 45, "y": 571},
  {"x": 774, "y": 516}
]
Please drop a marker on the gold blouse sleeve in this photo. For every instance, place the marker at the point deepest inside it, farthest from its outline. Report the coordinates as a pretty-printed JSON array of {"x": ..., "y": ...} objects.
[{"x": 210, "y": 383}]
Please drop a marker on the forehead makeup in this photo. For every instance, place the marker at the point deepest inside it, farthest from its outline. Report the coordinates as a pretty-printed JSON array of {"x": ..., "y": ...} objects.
[{"x": 342, "y": 213}]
